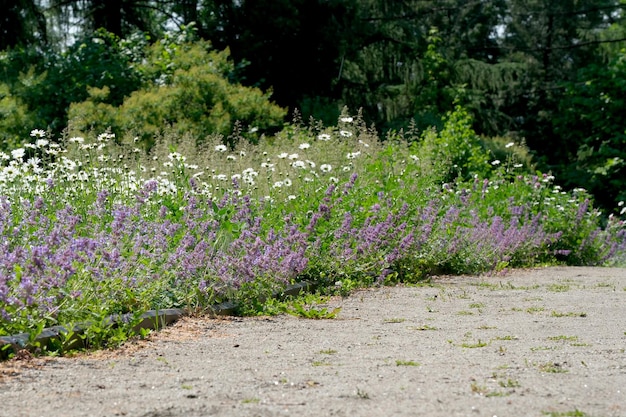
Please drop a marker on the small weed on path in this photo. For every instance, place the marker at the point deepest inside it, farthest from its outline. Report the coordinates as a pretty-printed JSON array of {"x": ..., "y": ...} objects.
[
  {"x": 507, "y": 337},
  {"x": 301, "y": 310},
  {"x": 558, "y": 287},
  {"x": 568, "y": 314},
  {"x": 394, "y": 320},
  {"x": 321, "y": 363},
  {"x": 564, "y": 338},
  {"x": 362, "y": 394},
  {"x": 552, "y": 368},
  {"x": 251, "y": 401},
  {"x": 465, "y": 313},
  {"x": 478, "y": 344},
  {"x": 509, "y": 383},
  {"x": 422, "y": 328},
  {"x": 574, "y": 413},
  {"x": 400, "y": 362}
]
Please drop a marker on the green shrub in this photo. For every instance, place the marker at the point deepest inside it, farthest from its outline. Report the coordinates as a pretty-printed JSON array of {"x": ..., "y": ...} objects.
[
  {"x": 13, "y": 117},
  {"x": 455, "y": 151},
  {"x": 190, "y": 92}
]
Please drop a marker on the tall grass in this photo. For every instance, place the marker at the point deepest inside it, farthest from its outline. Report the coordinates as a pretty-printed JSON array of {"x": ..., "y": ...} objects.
[{"x": 95, "y": 227}]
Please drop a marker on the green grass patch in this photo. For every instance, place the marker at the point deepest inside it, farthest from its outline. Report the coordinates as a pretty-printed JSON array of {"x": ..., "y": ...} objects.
[
  {"x": 321, "y": 363},
  {"x": 400, "y": 362},
  {"x": 509, "y": 383},
  {"x": 568, "y": 314},
  {"x": 394, "y": 320},
  {"x": 563, "y": 338},
  {"x": 573, "y": 413},
  {"x": 558, "y": 287},
  {"x": 507, "y": 337},
  {"x": 478, "y": 344},
  {"x": 424, "y": 327},
  {"x": 253, "y": 400},
  {"x": 542, "y": 348},
  {"x": 465, "y": 313},
  {"x": 552, "y": 368}
]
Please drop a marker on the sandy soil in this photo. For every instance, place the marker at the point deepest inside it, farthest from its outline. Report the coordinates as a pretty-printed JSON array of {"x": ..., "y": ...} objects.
[{"x": 531, "y": 343}]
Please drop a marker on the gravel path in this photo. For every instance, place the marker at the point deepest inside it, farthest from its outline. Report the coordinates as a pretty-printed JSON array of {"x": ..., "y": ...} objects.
[{"x": 531, "y": 343}]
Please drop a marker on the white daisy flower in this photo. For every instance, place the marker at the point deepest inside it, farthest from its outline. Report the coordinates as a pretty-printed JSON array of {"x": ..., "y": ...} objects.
[
  {"x": 18, "y": 153},
  {"x": 38, "y": 133}
]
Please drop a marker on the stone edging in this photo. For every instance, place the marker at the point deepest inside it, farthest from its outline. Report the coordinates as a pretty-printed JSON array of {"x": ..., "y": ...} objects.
[{"x": 150, "y": 320}]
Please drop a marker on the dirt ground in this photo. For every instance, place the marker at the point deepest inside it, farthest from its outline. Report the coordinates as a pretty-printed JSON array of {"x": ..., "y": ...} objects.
[{"x": 543, "y": 342}]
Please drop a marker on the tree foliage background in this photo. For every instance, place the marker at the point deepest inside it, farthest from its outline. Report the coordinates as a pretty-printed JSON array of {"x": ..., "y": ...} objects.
[{"x": 550, "y": 74}]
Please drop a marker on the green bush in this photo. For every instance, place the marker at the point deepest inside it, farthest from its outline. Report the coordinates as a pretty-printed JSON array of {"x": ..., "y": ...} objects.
[
  {"x": 13, "y": 118},
  {"x": 189, "y": 91},
  {"x": 455, "y": 151}
]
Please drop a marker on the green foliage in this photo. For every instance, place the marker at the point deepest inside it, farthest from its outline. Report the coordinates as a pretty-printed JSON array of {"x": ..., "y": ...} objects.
[
  {"x": 574, "y": 413},
  {"x": 591, "y": 121},
  {"x": 98, "y": 61},
  {"x": 436, "y": 93},
  {"x": 454, "y": 152},
  {"x": 310, "y": 312},
  {"x": 401, "y": 362},
  {"x": 257, "y": 297},
  {"x": 14, "y": 117},
  {"x": 510, "y": 153},
  {"x": 191, "y": 93}
]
